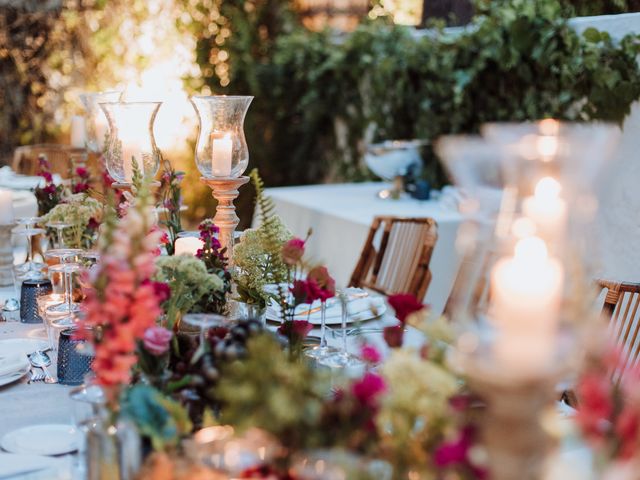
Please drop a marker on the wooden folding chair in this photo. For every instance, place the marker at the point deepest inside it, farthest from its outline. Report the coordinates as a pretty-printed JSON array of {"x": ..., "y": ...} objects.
[
  {"x": 25, "y": 158},
  {"x": 396, "y": 256},
  {"x": 622, "y": 310}
]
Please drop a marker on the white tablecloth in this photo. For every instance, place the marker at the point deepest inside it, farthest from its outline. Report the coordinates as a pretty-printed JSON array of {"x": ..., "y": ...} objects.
[{"x": 341, "y": 215}]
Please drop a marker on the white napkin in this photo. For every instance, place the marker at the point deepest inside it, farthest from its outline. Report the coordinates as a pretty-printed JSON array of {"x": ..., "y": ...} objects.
[
  {"x": 12, "y": 364},
  {"x": 16, "y": 464}
]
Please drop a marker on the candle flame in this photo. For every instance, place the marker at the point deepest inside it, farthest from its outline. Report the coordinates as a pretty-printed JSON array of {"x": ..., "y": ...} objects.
[
  {"x": 531, "y": 250},
  {"x": 548, "y": 188}
]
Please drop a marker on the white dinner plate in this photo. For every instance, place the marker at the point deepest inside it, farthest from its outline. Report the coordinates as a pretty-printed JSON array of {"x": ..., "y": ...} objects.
[
  {"x": 360, "y": 310},
  {"x": 26, "y": 346},
  {"x": 53, "y": 439},
  {"x": 12, "y": 377},
  {"x": 12, "y": 464}
]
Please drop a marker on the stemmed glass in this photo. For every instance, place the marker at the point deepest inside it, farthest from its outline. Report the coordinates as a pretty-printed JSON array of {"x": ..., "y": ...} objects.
[
  {"x": 203, "y": 321},
  {"x": 342, "y": 359},
  {"x": 59, "y": 227},
  {"x": 30, "y": 270},
  {"x": 323, "y": 349},
  {"x": 67, "y": 267}
]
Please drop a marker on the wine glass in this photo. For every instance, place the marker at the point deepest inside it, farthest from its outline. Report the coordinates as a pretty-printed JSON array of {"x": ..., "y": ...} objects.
[
  {"x": 323, "y": 349},
  {"x": 30, "y": 270},
  {"x": 59, "y": 228},
  {"x": 68, "y": 306},
  {"x": 203, "y": 321},
  {"x": 342, "y": 359}
]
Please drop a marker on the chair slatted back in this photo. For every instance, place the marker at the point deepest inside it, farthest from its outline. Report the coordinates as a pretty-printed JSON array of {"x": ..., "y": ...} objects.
[
  {"x": 622, "y": 309},
  {"x": 396, "y": 256},
  {"x": 25, "y": 158}
]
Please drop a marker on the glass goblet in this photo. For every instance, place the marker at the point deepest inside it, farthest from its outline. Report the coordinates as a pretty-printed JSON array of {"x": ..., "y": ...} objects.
[
  {"x": 323, "y": 349},
  {"x": 203, "y": 321},
  {"x": 30, "y": 270},
  {"x": 59, "y": 228},
  {"x": 67, "y": 269},
  {"x": 342, "y": 360}
]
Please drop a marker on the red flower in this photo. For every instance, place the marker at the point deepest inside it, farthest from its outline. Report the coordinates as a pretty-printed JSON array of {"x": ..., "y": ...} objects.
[
  {"x": 156, "y": 340},
  {"x": 404, "y": 305},
  {"x": 162, "y": 290},
  {"x": 326, "y": 286},
  {"x": 627, "y": 429},
  {"x": 82, "y": 172},
  {"x": 393, "y": 335},
  {"x": 300, "y": 291},
  {"x": 93, "y": 224},
  {"x": 47, "y": 176},
  {"x": 80, "y": 187},
  {"x": 368, "y": 389},
  {"x": 292, "y": 251},
  {"x": 295, "y": 330},
  {"x": 370, "y": 354},
  {"x": 596, "y": 406}
]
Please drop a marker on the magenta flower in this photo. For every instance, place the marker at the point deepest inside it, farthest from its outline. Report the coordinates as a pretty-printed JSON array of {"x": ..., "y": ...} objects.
[
  {"x": 404, "y": 305},
  {"x": 162, "y": 290},
  {"x": 321, "y": 285},
  {"x": 368, "y": 389},
  {"x": 292, "y": 251},
  {"x": 295, "y": 330},
  {"x": 82, "y": 172},
  {"x": 156, "y": 340},
  {"x": 370, "y": 354}
]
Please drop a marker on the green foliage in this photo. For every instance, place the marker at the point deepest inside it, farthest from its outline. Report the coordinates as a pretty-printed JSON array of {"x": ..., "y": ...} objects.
[
  {"x": 268, "y": 391},
  {"x": 258, "y": 255},
  {"x": 189, "y": 281},
  {"x": 321, "y": 98},
  {"x": 157, "y": 417}
]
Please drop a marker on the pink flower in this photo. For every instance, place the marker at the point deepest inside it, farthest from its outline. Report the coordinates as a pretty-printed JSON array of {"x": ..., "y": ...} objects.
[
  {"x": 368, "y": 389},
  {"x": 162, "y": 290},
  {"x": 47, "y": 177},
  {"x": 300, "y": 291},
  {"x": 292, "y": 251},
  {"x": 393, "y": 335},
  {"x": 295, "y": 330},
  {"x": 156, "y": 340},
  {"x": 93, "y": 224},
  {"x": 321, "y": 284},
  {"x": 627, "y": 429},
  {"x": 80, "y": 187},
  {"x": 370, "y": 354},
  {"x": 404, "y": 305},
  {"x": 82, "y": 172}
]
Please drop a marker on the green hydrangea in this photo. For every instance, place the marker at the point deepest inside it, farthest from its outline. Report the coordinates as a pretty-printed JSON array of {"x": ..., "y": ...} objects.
[
  {"x": 189, "y": 281},
  {"x": 78, "y": 210}
]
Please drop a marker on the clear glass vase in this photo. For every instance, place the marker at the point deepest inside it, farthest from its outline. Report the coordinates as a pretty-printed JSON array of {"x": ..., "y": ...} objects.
[
  {"x": 96, "y": 122},
  {"x": 113, "y": 448},
  {"x": 131, "y": 143},
  {"x": 221, "y": 149}
]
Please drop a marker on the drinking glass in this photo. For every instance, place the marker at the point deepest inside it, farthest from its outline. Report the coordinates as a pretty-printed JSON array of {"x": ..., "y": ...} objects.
[
  {"x": 203, "y": 321},
  {"x": 30, "y": 270},
  {"x": 342, "y": 359},
  {"x": 59, "y": 228},
  {"x": 323, "y": 349},
  {"x": 68, "y": 306}
]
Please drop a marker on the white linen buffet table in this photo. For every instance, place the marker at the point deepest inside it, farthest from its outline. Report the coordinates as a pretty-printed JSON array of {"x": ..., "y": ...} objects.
[{"x": 341, "y": 214}]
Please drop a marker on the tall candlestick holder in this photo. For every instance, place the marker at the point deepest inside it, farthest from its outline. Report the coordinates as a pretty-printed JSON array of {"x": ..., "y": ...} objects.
[
  {"x": 6, "y": 255},
  {"x": 225, "y": 191},
  {"x": 522, "y": 301}
]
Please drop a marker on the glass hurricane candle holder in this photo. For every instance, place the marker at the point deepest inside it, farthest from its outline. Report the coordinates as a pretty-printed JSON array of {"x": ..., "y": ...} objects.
[
  {"x": 221, "y": 149},
  {"x": 131, "y": 144},
  {"x": 96, "y": 122},
  {"x": 524, "y": 292}
]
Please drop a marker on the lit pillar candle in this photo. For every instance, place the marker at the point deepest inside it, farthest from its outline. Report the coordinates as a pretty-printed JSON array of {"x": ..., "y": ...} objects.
[
  {"x": 188, "y": 245},
  {"x": 77, "y": 131},
  {"x": 546, "y": 208},
  {"x": 526, "y": 295},
  {"x": 221, "y": 154},
  {"x": 6, "y": 207}
]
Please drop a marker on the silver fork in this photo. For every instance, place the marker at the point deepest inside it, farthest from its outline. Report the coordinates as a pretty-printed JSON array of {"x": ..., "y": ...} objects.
[{"x": 36, "y": 377}]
